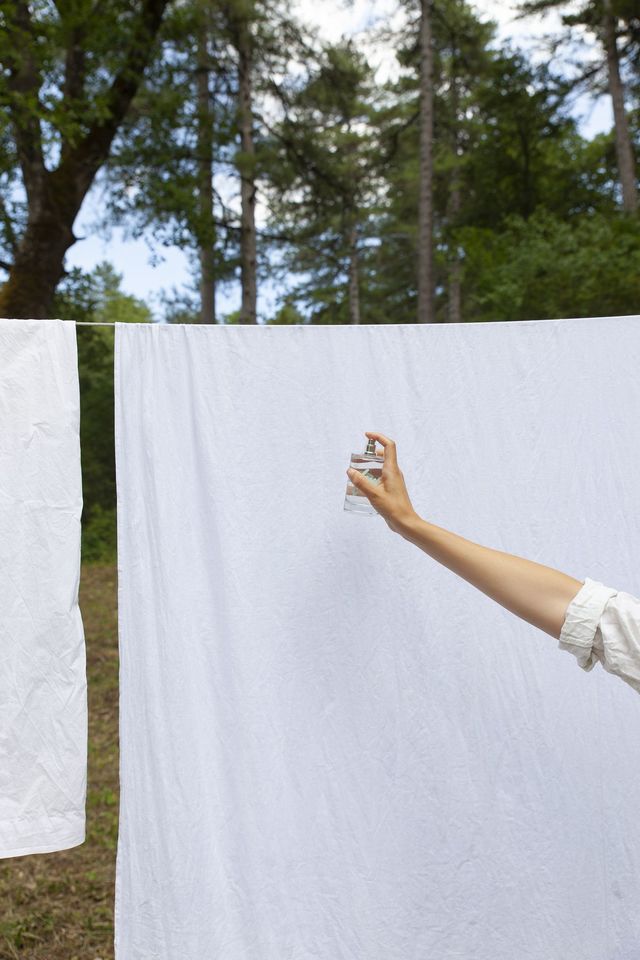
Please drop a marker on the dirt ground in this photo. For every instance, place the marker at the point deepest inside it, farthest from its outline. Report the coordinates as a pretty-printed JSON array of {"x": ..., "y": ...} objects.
[{"x": 59, "y": 906}]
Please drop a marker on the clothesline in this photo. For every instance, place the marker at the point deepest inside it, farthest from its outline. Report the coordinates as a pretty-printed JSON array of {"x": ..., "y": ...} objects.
[{"x": 103, "y": 323}]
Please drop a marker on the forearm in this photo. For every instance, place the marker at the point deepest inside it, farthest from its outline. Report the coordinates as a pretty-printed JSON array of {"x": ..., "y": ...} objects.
[{"x": 535, "y": 593}]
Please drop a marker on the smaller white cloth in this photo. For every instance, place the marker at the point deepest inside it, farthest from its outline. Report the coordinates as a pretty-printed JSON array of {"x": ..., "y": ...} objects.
[
  {"x": 43, "y": 704},
  {"x": 602, "y": 625}
]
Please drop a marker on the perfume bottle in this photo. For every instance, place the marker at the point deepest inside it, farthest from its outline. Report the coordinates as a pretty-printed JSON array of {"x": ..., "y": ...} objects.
[{"x": 369, "y": 464}]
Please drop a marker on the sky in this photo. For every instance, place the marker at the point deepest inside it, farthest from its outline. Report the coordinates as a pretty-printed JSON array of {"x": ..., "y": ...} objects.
[{"x": 146, "y": 276}]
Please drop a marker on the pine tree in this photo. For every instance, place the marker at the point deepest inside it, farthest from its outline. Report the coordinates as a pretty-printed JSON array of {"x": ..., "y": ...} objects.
[
  {"x": 180, "y": 132},
  {"x": 603, "y": 19},
  {"x": 324, "y": 182}
]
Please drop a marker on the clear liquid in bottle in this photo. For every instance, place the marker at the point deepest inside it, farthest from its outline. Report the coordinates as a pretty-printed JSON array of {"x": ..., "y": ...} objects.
[{"x": 369, "y": 464}]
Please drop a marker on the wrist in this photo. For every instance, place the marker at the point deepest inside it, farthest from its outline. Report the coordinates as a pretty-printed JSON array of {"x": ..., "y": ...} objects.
[{"x": 408, "y": 524}]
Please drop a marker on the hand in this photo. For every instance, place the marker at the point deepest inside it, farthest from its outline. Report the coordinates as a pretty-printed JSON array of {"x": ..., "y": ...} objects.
[{"x": 389, "y": 497}]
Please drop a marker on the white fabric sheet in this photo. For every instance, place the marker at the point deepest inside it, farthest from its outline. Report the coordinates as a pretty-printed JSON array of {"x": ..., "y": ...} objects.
[
  {"x": 331, "y": 746},
  {"x": 43, "y": 703}
]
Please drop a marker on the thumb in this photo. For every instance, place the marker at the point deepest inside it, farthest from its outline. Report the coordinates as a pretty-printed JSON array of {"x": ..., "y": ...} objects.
[{"x": 361, "y": 482}]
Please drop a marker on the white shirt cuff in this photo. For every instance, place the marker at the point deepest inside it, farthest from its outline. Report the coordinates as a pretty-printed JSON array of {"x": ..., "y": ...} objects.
[{"x": 580, "y": 635}]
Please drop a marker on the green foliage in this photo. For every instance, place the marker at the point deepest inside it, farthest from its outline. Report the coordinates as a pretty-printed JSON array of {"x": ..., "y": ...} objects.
[
  {"x": 245, "y": 163},
  {"x": 114, "y": 306},
  {"x": 287, "y": 314},
  {"x": 545, "y": 268},
  {"x": 99, "y": 536},
  {"x": 97, "y": 297}
]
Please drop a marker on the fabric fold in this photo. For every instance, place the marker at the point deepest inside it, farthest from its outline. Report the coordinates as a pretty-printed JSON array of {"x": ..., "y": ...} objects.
[{"x": 579, "y": 630}]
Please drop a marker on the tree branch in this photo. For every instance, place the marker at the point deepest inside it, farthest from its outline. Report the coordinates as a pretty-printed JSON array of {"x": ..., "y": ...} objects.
[
  {"x": 81, "y": 162},
  {"x": 24, "y": 85}
]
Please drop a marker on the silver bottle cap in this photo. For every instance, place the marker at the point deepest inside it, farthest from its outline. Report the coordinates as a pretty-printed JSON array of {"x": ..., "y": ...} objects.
[{"x": 371, "y": 447}]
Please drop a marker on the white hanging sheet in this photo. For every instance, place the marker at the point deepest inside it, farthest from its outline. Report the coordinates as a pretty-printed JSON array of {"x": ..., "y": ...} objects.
[
  {"x": 43, "y": 702},
  {"x": 332, "y": 748}
]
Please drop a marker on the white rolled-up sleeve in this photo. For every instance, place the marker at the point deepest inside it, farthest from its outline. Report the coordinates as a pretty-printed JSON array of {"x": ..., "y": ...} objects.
[{"x": 603, "y": 624}]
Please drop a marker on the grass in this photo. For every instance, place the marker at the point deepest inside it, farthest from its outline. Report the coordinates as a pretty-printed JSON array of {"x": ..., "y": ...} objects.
[{"x": 59, "y": 906}]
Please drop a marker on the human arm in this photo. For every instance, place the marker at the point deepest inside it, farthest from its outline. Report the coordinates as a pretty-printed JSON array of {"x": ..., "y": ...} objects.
[{"x": 532, "y": 591}]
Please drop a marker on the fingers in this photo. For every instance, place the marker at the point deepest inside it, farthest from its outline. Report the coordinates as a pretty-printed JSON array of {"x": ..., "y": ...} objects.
[
  {"x": 389, "y": 447},
  {"x": 363, "y": 483}
]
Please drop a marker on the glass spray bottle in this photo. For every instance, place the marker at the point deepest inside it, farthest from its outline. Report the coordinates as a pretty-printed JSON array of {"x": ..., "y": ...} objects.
[{"x": 369, "y": 464}]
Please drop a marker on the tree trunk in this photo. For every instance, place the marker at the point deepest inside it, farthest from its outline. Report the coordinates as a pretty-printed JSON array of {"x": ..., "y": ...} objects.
[
  {"x": 624, "y": 147},
  {"x": 425, "y": 203},
  {"x": 354, "y": 278},
  {"x": 455, "y": 266},
  {"x": 38, "y": 265},
  {"x": 454, "y": 203},
  {"x": 248, "y": 310},
  {"x": 205, "y": 177}
]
